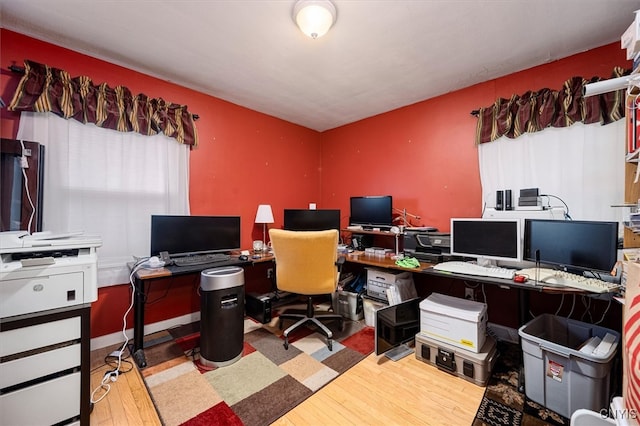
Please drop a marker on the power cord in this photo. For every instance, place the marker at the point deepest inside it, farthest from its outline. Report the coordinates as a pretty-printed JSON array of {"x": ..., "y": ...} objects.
[
  {"x": 24, "y": 164},
  {"x": 111, "y": 376}
]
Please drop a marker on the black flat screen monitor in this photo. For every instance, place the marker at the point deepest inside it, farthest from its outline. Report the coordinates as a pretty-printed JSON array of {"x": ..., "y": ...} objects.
[
  {"x": 490, "y": 239},
  {"x": 311, "y": 220},
  {"x": 187, "y": 235},
  {"x": 396, "y": 325},
  {"x": 572, "y": 245},
  {"x": 372, "y": 211}
]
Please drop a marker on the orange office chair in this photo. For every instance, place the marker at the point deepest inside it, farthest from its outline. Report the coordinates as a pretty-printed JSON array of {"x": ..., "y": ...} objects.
[{"x": 307, "y": 264}]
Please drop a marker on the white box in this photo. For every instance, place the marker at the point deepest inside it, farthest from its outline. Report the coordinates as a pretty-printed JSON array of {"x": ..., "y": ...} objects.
[
  {"x": 378, "y": 281},
  {"x": 456, "y": 321}
]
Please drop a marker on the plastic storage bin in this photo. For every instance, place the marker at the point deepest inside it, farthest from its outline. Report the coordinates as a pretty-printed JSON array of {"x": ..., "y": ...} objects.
[{"x": 556, "y": 373}]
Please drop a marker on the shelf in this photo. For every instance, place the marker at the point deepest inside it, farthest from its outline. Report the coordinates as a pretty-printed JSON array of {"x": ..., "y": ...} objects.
[{"x": 362, "y": 231}]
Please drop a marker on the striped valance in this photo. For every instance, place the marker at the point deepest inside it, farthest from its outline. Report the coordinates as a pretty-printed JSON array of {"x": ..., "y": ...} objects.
[
  {"x": 534, "y": 111},
  {"x": 47, "y": 89}
]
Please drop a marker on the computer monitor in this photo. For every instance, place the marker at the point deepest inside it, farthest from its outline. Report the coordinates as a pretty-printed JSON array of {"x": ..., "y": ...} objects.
[
  {"x": 395, "y": 326},
  {"x": 311, "y": 220},
  {"x": 486, "y": 239},
  {"x": 371, "y": 211},
  {"x": 572, "y": 245},
  {"x": 188, "y": 235}
]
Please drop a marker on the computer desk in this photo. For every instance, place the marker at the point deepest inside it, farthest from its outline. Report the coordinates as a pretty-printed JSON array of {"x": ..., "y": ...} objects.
[
  {"x": 358, "y": 257},
  {"x": 523, "y": 289},
  {"x": 145, "y": 275}
]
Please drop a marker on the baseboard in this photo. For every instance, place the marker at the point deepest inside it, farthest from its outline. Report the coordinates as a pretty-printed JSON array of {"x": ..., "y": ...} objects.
[
  {"x": 118, "y": 338},
  {"x": 505, "y": 334}
]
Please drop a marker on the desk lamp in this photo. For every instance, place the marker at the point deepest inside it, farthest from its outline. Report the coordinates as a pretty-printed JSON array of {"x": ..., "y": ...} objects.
[{"x": 264, "y": 215}]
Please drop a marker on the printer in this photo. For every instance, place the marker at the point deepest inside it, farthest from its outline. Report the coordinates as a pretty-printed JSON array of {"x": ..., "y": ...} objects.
[
  {"x": 46, "y": 270},
  {"x": 427, "y": 246}
]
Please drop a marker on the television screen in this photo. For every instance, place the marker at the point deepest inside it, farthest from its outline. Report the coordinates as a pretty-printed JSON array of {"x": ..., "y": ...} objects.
[
  {"x": 371, "y": 211},
  {"x": 187, "y": 235},
  {"x": 491, "y": 239},
  {"x": 311, "y": 220},
  {"x": 396, "y": 325},
  {"x": 572, "y": 245}
]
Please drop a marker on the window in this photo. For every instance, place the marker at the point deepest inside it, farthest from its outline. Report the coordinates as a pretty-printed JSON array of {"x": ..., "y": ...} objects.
[{"x": 108, "y": 183}]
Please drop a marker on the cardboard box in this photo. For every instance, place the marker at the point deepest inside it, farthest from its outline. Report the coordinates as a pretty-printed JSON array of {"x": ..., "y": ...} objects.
[{"x": 458, "y": 322}]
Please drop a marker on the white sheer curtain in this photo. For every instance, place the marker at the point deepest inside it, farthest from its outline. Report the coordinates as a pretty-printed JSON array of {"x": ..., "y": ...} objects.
[
  {"x": 108, "y": 183},
  {"x": 582, "y": 164}
]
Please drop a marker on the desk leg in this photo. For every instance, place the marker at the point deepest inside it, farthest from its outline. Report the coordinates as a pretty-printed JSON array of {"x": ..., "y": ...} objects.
[
  {"x": 523, "y": 308},
  {"x": 138, "y": 324}
]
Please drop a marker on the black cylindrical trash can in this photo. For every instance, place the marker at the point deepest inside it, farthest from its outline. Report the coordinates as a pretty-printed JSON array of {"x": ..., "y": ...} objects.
[{"x": 221, "y": 316}]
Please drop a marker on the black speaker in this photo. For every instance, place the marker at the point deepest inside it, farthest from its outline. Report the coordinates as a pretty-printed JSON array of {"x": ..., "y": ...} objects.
[
  {"x": 499, "y": 200},
  {"x": 508, "y": 202}
]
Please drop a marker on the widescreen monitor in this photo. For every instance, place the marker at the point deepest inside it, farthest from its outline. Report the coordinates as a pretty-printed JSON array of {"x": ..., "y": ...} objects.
[
  {"x": 187, "y": 235},
  {"x": 572, "y": 245},
  {"x": 371, "y": 211},
  {"x": 311, "y": 220},
  {"x": 486, "y": 239}
]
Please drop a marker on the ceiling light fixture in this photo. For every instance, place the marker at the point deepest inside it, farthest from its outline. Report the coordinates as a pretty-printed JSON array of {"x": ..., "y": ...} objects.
[{"x": 314, "y": 17}]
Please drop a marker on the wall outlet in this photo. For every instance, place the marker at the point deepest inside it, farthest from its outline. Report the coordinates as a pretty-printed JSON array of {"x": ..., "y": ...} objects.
[{"x": 469, "y": 294}]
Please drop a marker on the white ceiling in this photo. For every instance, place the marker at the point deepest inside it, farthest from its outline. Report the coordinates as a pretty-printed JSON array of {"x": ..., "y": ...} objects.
[{"x": 380, "y": 55}]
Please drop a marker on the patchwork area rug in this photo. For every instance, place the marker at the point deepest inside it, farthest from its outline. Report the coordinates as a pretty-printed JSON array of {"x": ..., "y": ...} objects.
[
  {"x": 503, "y": 404},
  {"x": 263, "y": 385}
]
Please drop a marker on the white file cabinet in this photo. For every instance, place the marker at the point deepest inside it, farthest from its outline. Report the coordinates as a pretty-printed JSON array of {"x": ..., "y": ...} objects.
[{"x": 44, "y": 367}]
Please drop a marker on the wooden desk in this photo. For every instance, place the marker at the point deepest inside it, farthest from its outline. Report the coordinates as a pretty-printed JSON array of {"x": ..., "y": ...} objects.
[{"x": 523, "y": 289}]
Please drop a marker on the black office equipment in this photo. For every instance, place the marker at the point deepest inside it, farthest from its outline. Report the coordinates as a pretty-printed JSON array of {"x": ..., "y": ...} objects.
[
  {"x": 189, "y": 235},
  {"x": 395, "y": 326},
  {"x": 486, "y": 239},
  {"x": 572, "y": 245},
  {"x": 499, "y": 200},
  {"x": 311, "y": 220},
  {"x": 371, "y": 211},
  {"x": 508, "y": 200}
]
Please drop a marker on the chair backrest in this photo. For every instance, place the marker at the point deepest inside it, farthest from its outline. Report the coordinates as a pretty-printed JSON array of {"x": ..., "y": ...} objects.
[{"x": 305, "y": 260}]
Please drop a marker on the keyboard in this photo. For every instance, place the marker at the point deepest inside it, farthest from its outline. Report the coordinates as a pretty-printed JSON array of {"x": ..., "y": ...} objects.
[
  {"x": 467, "y": 268},
  {"x": 557, "y": 278},
  {"x": 200, "y": 259}
]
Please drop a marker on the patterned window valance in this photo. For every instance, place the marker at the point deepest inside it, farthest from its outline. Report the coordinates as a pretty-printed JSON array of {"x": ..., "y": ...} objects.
[
  {"x": 534, "y": 111},
  {"x": 47, "y": 89}
]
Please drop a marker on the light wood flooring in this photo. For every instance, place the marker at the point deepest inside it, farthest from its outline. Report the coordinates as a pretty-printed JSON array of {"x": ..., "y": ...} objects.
[{"x": 376, "y": 391}]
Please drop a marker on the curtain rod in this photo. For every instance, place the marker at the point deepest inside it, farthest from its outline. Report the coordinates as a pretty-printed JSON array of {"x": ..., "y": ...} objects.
[{"x": 20, "y": 70}]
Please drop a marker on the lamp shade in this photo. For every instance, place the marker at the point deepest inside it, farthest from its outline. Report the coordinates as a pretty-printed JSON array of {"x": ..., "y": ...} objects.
[
  {"x": 314, "y": 17},
  {"x": 264, "y": 214}
]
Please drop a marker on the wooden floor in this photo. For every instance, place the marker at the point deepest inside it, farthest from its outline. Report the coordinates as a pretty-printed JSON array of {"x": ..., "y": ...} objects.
[{"x": 376, "y": 391}]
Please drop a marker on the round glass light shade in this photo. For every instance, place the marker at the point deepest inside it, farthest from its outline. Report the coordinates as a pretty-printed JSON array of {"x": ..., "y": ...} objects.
[{"x": 314, "y": 18}]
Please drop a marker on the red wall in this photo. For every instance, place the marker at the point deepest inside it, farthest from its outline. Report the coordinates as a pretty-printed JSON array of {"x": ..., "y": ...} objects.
[{"x": 423, "y": 155}]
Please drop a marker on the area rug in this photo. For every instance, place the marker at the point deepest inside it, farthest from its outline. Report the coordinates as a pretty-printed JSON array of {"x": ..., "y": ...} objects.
[
  {"x": 264, "y": 384},
  {"x": 503, "y": 403}
]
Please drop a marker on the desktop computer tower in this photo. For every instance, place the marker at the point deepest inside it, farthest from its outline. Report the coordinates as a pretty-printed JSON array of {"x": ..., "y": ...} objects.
[{"x": 258, "y": 307}]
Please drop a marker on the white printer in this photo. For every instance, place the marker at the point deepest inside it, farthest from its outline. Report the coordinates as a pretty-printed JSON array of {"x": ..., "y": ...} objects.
[{"x": 45, "y": 270}]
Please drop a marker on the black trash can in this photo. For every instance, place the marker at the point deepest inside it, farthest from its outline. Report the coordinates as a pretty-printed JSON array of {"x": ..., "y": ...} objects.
[{"x": 221, "y": 316}]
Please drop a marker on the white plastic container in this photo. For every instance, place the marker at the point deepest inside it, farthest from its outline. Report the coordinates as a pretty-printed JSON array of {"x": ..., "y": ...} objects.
[
  {"x": 455, "y": 321},
  {"x": 370, "y": 308},
  {"x": 556, "y": 373}
]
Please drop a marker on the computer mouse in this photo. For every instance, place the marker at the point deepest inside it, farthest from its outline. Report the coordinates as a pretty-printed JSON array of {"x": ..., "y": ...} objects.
[
  {"x": 519, "y": 278},
  {"x": 243, "y": 257}
]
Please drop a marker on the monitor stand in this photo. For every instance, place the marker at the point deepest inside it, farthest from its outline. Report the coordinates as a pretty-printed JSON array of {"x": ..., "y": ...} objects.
[{"x": 399, "y": 352}]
